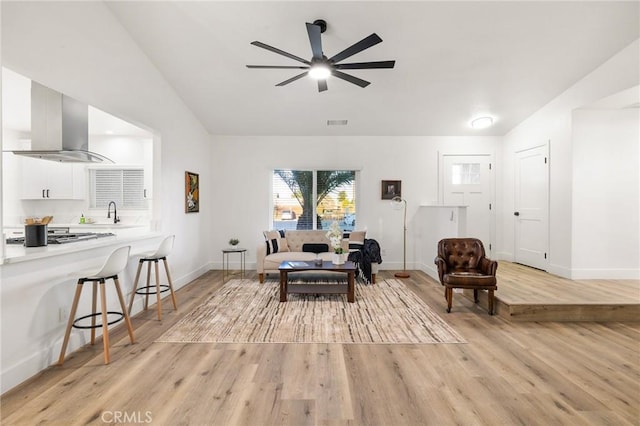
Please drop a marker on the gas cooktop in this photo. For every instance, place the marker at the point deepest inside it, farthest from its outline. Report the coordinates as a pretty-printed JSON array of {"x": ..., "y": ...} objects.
[{"x": 65, "y": 238}]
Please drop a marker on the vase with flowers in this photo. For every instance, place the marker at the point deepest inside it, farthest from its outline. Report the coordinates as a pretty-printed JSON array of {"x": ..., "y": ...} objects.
[{"x": 335, "y": 239}]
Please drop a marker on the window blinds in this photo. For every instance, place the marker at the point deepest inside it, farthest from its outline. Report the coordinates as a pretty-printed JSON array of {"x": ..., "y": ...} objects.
[{"x": 124, "y": 186}]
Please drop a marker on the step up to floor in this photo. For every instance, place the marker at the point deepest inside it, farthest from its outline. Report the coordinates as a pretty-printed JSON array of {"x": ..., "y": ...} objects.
[{"x": 575, "y": 311}]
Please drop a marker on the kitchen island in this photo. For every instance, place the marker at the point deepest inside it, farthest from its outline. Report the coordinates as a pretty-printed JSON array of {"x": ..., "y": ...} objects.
[
  {"x": 19, "y": 253},
  {"x": 36, "y": 290}
]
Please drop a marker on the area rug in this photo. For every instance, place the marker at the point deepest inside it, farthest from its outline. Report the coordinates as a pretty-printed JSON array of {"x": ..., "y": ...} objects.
[{"x": 245, "y": 311}]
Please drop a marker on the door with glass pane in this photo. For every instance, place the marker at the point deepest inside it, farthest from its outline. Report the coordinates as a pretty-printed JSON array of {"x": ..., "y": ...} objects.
[{"x": 467, "y": 180}]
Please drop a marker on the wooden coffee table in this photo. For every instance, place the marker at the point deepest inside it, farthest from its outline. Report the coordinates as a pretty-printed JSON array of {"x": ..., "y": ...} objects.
[{"x": 298, "y": 266}]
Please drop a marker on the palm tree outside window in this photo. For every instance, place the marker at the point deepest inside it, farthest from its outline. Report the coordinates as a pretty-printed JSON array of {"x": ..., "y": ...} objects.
[{"x": 314, "y": 199}]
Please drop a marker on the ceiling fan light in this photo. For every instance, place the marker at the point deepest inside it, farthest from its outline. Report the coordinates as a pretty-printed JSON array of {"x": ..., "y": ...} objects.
[
  {"x": 482, "y": 122},
  {"x": 319, "y": 72}
]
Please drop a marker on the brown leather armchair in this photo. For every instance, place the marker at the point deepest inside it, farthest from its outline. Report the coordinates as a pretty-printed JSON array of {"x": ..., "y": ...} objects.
[{"x": 462, "y": 264}]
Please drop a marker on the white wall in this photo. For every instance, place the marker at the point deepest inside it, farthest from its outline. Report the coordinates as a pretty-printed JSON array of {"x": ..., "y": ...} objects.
[
  {"x": 125, "y": 151},
  {"x": 79, "y": 49},
  {"x": 243, "y": 167},
  {"x": 1, "y": 148},
  {"x": 606, "y": 188},
  {"x": 554, "y": 123},
  {"x": 434, "y": 223}
]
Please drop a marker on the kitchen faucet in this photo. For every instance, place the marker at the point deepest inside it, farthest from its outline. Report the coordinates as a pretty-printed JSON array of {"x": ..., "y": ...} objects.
[{"x": 115, "y": 212}]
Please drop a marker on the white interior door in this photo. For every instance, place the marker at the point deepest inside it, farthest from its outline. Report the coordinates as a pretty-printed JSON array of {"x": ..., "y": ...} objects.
[
  {"x": 467, "y": 181},
  {"x": 532, "y": 207}
]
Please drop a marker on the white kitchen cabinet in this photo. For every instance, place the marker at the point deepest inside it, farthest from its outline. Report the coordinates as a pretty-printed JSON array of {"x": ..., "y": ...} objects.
[{"x": 50, "y": 180}]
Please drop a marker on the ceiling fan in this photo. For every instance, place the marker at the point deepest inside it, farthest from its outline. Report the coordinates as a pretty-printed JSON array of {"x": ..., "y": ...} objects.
[{"x": 320, "y": 67}]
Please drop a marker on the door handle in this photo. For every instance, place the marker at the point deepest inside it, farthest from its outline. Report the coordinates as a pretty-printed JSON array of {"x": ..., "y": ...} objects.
[{"x": 516, "y": 213}]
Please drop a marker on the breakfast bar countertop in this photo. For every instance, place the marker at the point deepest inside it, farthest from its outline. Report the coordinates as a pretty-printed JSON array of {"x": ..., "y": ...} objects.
[
  {"x": 19, "y": 253},
  {"x": 37, "y": 286}
]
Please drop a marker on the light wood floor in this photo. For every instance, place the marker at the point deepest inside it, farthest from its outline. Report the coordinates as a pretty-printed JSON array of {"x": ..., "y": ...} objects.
[
  {"x": 528, "y": 294},
  {"x": 509, "y": 373},
  {"x": 522, "y": 284}
]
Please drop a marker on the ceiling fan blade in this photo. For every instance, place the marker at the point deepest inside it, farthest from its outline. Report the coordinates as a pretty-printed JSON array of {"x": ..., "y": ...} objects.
[
  {"x": 322, "y": 85},
  {"x": 351, "y": 79},
  {"x": 365, "y": 65},
  {"x": 280, "y": 52},
  {"x": 278, "y": 67},
  {"x": 315, "y": 40},
  {"x": 292, "y": 79},
  {"x": 363, "y": 44}
]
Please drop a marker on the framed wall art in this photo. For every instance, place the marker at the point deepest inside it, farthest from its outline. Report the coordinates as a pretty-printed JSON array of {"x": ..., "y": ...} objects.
[
  {"x": 391, "y": 188},
  {"x": 191, "y": 192}
]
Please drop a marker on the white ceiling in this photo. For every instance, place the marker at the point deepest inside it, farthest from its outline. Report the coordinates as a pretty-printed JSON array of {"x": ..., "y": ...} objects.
[
  {"x": 16, "y": 111},
  {"x": 454, "y": 61}
]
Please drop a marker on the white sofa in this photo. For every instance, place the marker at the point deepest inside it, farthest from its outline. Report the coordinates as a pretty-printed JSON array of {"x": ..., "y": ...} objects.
[{"x": 269, "y": 263}]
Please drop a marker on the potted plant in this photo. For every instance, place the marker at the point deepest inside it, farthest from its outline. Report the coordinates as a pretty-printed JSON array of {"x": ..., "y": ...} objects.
[
  {"x": 335, "y": 239},
  {"x": 233, "y": 242}
]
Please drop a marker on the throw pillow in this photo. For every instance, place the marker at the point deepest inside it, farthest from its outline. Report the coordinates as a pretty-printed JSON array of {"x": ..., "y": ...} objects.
[
  {"x": 284, "y": 245},
  {"x": 315, "y": 248},
  {"x": 356, "y": 240},
  {"x": 274, "y": 242}
]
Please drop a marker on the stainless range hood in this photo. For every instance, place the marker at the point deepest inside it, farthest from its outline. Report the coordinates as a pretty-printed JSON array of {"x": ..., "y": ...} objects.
[{"x": 59, "y": 128}]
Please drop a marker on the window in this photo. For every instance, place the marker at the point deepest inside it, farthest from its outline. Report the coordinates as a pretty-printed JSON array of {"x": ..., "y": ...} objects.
[
  {"x": 305, "y": 199},
  {"x": 465, "y": 174},
  {"x": 124, "y": 186}
]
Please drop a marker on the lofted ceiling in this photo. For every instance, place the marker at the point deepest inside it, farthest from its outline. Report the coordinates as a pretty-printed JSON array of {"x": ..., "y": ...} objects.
[
  {"x": 16, "y": 111},
  {"x": 454, "y": 61}
]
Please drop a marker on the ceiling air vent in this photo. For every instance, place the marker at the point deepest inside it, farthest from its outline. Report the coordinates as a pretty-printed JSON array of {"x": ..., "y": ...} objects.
[{"x": 336, "y": 122}]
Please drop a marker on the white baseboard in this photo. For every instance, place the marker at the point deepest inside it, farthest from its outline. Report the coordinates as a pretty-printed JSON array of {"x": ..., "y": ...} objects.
[
  {"x": 393, "y": 266},
  {"x": 233, "y": 265},
  {"x": 187, "y": 278},
  {"x": 43, "y": 358},
  {"x": 15, "y": 374},
  {"x": 611, "y": 274},
  {"x": 506, "y": 256},
  {"x": 430, "y": 270},
  {"x": 559, "y": 270}
]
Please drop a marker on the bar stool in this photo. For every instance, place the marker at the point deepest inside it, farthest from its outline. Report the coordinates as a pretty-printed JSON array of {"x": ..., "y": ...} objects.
[
  {"x": 115, "y": 264},
  {"x": 160, "y": 254}
]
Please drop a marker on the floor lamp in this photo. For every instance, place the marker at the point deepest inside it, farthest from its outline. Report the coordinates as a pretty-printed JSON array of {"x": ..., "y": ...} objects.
[{"x": 400, "y": 203}]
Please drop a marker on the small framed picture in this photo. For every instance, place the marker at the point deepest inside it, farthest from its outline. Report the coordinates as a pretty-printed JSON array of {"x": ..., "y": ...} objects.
[
  {"x": 391, "y": 188},
  {"x": 191, "y": 192}
]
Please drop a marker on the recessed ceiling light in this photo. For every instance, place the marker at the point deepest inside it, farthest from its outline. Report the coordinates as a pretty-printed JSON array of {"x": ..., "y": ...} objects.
[
  {"x": 336, "y": 122},
  {"x": 109, "y": 132},
  {"x": 481, "y": 122},
  {"x": 319, "y": 72}
]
